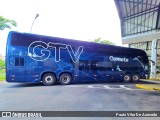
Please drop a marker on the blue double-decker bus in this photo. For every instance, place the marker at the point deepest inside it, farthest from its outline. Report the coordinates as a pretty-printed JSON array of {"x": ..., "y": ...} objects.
[{"x": 50, "y": 60}]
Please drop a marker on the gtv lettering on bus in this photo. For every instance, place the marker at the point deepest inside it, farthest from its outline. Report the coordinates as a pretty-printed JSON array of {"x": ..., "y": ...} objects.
[
  {"x": 45, "y": 52},
  {"x": 118, "y": 59}
]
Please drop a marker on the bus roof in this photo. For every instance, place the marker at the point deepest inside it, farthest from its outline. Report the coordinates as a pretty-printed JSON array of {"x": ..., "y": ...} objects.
[{"x": 25, "y": 39}]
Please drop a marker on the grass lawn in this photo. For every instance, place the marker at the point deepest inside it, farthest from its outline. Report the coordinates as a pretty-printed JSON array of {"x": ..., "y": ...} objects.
[{"x": 2, "y": 75}]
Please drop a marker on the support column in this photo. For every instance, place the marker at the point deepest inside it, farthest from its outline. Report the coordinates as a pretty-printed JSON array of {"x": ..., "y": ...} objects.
[{"x": 154, "y": 58}]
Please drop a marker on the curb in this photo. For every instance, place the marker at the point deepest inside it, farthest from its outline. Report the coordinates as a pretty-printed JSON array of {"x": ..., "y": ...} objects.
[
  {"x": 147, "y": 87},
  {"x": 156, "y": 79}
]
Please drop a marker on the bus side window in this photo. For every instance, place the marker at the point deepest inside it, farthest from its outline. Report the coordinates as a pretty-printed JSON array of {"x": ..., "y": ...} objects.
[
  {"x": 108, "y": 69},
  {"x": 19, "y": 61},
  {"x": 94, "y": 65},
  {"x": 16, "y": 61},
  {"x": 83, "y": 65}
]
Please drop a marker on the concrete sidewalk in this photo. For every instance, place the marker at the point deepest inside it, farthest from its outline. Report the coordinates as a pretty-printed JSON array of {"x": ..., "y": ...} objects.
[{"x": 151, "y": 85}]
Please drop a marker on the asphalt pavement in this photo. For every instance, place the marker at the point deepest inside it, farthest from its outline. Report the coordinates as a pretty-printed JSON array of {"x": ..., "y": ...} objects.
[
  {"x": 109, "y": 96},
  {"x": 78, "y": 97}
]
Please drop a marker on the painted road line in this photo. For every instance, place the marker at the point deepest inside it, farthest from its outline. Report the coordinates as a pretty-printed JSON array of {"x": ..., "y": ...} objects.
[
  {"x": 90, "y": 86},
  {"x": 122, "y": 86},
  {"x": 109, "y": 87},
  {"x": 73, "y": 86}
]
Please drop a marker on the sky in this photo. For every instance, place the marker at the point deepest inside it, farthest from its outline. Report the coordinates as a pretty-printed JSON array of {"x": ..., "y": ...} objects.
[{"x": 73, "y": 19}]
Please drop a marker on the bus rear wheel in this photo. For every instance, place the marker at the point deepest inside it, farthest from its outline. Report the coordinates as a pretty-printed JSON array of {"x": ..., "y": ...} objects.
[
  {"x": 127, "y": 78},
  {"x": 65, "y": 79},
  {"x": 49, "y": 79},
  {"x": 135, "y": 78}
]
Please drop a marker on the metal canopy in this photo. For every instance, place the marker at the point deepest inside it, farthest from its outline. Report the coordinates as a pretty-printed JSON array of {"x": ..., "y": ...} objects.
[{"x": 138, "y": 16}]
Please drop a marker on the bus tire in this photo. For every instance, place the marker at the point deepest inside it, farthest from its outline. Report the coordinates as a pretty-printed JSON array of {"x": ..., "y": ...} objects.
[
  {"x": 136, "y": 78},
  {"x": 65, "y": 79},
  {"x": 127, "y": 78},
  {"x": 49, "y": 79}
]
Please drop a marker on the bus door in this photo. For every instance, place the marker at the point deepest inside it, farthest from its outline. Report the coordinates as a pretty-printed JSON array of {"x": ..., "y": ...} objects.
[
  {"x": 17, "y": 69},
  {"x": 32, "y": 70},
  {"x": 94, "y": 70},
  {"x": 104, "y": 70},
  {"x": 84, "y": 70}
]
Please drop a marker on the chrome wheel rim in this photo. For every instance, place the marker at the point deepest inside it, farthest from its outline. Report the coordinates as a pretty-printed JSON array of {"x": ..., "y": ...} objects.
[
  {"x": 135, "y": 77},
  {"x": 126, "y": 78},
  {"x": 48, "y": 79},
  {"x": 65, "y": 79}
]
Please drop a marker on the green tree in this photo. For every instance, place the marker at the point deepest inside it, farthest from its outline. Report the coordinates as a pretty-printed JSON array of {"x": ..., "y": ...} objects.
[
  {"x": 6, "y": 23},
  {"x": 99, "y": 40},
  {"x": 2, "y": 64}
]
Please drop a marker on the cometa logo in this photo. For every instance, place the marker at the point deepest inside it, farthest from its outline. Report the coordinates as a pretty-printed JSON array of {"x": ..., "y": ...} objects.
[{"x": 118, "y": 59}]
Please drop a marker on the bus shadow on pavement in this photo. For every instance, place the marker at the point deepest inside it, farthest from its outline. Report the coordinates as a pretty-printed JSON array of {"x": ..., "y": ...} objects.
[
  {"x": 81, "y": 83},
  {"x": 26, "y": 85}
]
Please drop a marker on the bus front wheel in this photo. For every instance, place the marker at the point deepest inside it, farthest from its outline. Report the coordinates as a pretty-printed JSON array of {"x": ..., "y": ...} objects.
[
  {"x": 65, "y": 79},
  {"x": 49, "y": 79},
  {"x": 127, "y": 78}
]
